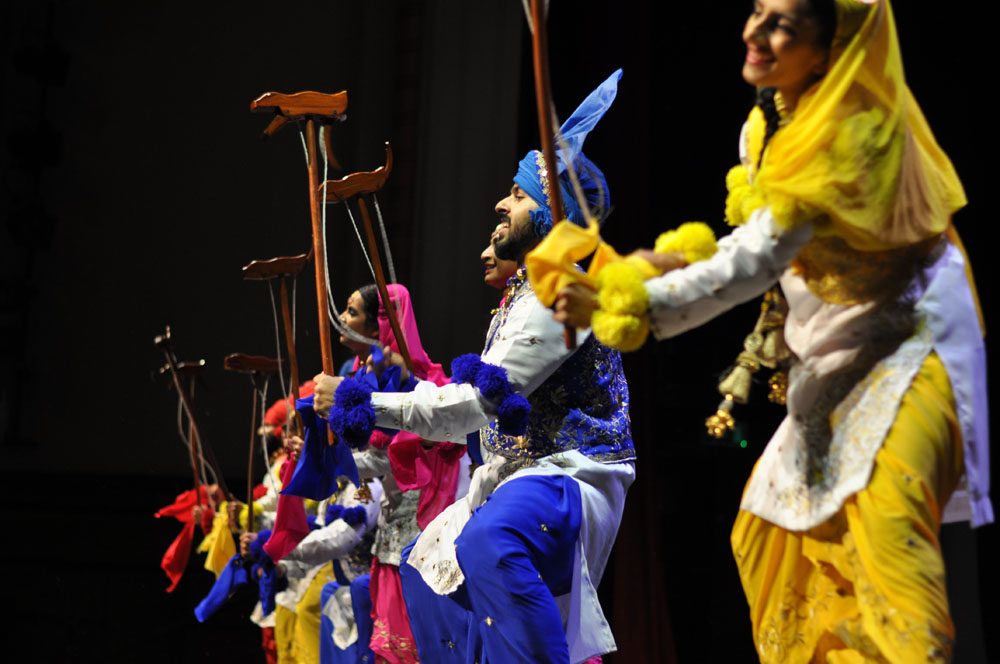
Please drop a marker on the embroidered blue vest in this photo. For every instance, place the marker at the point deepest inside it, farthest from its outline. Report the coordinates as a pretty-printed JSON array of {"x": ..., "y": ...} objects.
[{"x": 582, "y": 406}]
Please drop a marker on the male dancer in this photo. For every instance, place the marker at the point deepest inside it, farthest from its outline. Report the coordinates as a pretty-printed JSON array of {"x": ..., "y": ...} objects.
[{"x": 511, "y": 570}]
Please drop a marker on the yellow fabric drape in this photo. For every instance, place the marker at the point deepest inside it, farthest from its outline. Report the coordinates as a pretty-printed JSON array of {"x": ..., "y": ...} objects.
[
  {"x": 218, "y": 543},
  {"x": 552, "y": 264},
  {"x": 858, "y": 150},
  {"x": 868, "y": 585},
  {"x": 307, "y": 613},
  {"x": 284, "y": 634}
]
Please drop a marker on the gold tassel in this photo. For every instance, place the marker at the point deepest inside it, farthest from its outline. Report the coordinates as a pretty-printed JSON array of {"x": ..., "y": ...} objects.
[
  {"x": 764, "y": 346},
  {"x": 364, "y": 494},
  {"x": 779, "y": 388},
  {"x": 736, "y": 385},
  {"x": 722, "y": 421}
]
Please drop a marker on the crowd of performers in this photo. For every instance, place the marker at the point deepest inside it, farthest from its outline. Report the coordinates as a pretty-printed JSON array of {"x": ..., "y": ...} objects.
[{"x": 485, "y": 505}]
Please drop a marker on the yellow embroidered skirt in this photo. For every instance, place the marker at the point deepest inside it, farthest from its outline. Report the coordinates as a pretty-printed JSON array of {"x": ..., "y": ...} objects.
[{"x": 868, "y": 585}]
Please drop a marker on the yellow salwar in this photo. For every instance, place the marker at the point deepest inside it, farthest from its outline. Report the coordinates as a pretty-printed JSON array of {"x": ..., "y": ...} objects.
[
  {"x": 868, "y": 585},
  {"x": 284, "y": 634},
  {"x": 307, "y": 620}
]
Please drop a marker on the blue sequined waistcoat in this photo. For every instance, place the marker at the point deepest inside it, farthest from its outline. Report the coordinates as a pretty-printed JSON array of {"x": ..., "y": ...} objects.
[{"x": 582, "y": 406}]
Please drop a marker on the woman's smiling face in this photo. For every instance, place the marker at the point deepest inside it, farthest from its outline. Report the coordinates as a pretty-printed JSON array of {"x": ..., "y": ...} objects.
[{"x": 783, "y": 49}]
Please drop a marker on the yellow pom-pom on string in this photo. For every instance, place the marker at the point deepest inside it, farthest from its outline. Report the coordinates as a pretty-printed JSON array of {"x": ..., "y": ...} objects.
[
  {"x": 694, "y": 239},
  {"x": 621, "y": 322},
  {"x": 737, "y": 177},
  {"x": 620, "y": 290},
  {"x": 625, "y": 332},
  {"x": 751, "y": 202},
  {"x": 789, "y": 212},
  {"x": 257, "y": 511}
]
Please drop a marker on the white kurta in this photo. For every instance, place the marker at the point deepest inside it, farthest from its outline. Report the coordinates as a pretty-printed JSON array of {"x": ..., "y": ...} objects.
[{"x": 826, "y": 338}]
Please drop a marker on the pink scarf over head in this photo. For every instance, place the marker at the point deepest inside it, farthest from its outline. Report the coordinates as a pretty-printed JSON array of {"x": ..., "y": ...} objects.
[{"x": 434, "y": 471}]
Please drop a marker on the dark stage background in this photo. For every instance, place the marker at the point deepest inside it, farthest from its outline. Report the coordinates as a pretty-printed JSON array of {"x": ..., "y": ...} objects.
[{"x": 136, "y": 187}]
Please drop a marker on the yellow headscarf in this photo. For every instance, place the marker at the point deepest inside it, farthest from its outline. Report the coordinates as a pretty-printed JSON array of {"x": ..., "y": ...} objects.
[{"x": 858, "y": 149}]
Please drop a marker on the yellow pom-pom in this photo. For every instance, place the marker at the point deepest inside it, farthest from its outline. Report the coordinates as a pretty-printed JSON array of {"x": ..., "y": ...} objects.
[
  {"x": 694, "y": 239},
  {"x": 242, "y": 519},
  {"x": 753, "y": 201},
  {"x": 625, "y": 332},
  {"x": 644, "y": 267},
  {"x": 737, "y": 177},
  {"x": 734, "y": 205},
  {"x": 789, "y": 212},
  {"x": 620, "y": 290}
]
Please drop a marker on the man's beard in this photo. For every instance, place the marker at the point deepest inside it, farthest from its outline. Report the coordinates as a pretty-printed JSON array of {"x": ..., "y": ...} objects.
[{"x": 519, "y": 241}]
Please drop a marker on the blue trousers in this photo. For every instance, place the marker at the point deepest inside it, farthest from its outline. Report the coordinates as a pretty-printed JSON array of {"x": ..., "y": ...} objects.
[
  {"x": 516, "y": 553},
  {"x": 361, "y": 603}
]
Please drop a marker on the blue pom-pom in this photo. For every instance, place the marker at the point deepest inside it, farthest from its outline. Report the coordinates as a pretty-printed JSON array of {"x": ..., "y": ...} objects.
[
  {"x": 492, "y": 382},
  {"x": 351, "y": 393},
  {"x": 333, "y": 513},
  {"x": 541, "y": 220},
  {"x": 311, "y": 520},
  {"x": 465, "y": 367},
  {"x": 512, "y": 415},
  {"x": 352, "y": 416},
  {"x": 354, "y": 515},
  {"x": 257, "y": 546}
]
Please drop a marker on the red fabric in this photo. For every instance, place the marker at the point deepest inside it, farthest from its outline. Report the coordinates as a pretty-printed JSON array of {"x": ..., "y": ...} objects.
[
  {"x": 391, "y": 636},
  {"x": 259, "y": 491},
  {"x": 379, "y": 440},
  {"x": 269, "y": 644},
  {"x": 182, "y": 506},
  {"x": 176, "y": 558},
  {"x": 207, "y": 516},
  {"x": 277, "y": 414},
  {"x": 290, "y": 524},
  {"x": 434, "y": 471}
]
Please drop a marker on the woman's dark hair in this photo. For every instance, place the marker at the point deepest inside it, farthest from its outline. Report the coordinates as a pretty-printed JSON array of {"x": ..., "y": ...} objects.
[
  {"x": 369, "y": 296},
  {"x": 824, "y": 12}
]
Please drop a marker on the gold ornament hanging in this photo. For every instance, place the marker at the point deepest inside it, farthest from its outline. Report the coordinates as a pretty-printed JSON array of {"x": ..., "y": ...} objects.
[
  {"x": 364, "y": 494},
  {"x": 722, "y": 421},
  {"x": 764, "y": 347},
  {"x": 779, "y": 388}
]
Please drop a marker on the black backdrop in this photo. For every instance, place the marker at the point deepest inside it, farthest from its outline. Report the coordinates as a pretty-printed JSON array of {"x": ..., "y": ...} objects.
[{"x": 136, "y": 188}]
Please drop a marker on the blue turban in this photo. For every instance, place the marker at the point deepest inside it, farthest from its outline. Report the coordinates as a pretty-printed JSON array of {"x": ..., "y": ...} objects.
[{"x": 533, "y": 178}]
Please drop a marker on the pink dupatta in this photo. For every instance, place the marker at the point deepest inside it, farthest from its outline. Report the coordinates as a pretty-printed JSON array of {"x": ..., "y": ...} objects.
[{"x": 433, "y": 471}]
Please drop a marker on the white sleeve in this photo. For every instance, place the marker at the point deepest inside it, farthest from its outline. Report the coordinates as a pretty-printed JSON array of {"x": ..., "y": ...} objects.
[
  {"x": 338, "y": 538},
  {"x": 530, "y": 346},
  {"x": 372, "y": 462},
  {"x": 748, "y": 262}
]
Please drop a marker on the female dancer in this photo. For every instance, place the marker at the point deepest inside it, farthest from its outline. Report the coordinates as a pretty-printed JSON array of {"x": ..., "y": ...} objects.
[
  {"x": 419, "y": 479},
  {"x": 844, "y": 194}
]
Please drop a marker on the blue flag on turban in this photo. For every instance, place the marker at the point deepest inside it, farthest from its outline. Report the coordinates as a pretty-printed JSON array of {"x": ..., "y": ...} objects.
[{"x": 533, "y": 176}]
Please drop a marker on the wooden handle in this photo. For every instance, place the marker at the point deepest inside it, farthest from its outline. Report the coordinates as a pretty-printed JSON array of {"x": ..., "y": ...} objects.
[
  {"x": 298, "y": 106},
  {"x": 243, "y": 363},
  {"x": 354, "y": 184},
  {"x": 263, "y": 270},
  {"x": 543, "y": 97},
  {"x": 382, "y": 289}
]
